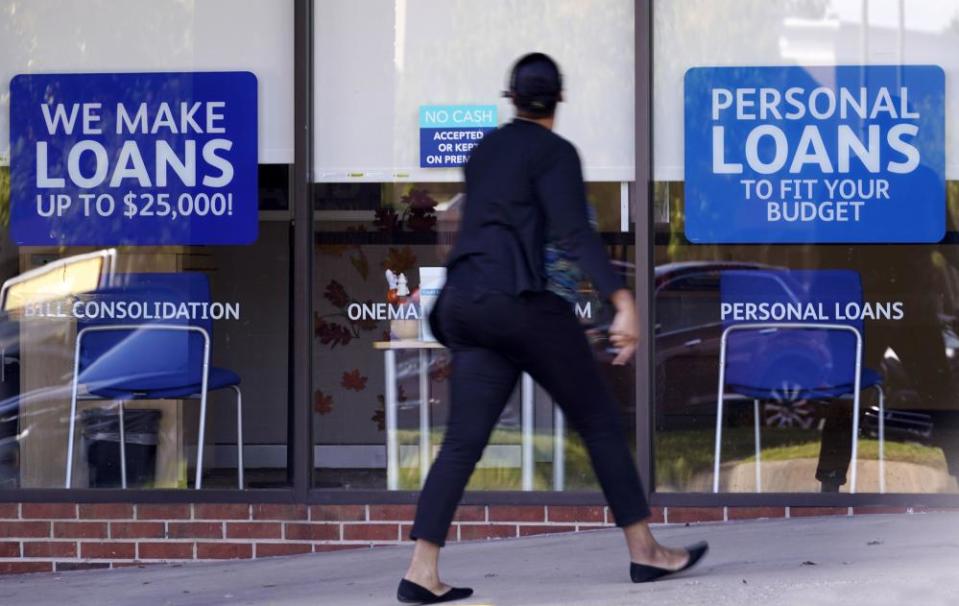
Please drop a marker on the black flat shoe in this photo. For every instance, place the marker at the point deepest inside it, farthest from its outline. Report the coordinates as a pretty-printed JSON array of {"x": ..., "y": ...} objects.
[
  {"x": 640, "y": 573},
  {"x": 410, "y": 593}
]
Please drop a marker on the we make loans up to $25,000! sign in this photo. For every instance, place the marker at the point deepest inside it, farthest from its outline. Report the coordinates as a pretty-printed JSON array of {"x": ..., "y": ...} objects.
[{"x": 134, "y": 159}]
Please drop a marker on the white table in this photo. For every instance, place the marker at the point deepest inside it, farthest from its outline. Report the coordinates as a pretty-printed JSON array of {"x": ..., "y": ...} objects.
[{"x": 389, "y": 349}]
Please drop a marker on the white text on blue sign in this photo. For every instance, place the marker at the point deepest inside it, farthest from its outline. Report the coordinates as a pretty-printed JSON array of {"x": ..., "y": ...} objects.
[
  {"x": 837, "y": 154},
  {"x": 134, "y": 159},
  {"x": 448, "y": 133}
]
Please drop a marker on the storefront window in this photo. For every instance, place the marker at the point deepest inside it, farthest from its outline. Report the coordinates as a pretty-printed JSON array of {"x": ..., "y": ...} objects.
[
  {"x": 867, "y": 271},
  {"x": 387, "y": 201},
  {"x": 145, "y": 161}
]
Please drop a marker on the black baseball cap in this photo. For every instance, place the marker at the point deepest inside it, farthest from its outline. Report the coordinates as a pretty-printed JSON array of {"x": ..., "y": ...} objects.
[{"x": 535, "y": 85}]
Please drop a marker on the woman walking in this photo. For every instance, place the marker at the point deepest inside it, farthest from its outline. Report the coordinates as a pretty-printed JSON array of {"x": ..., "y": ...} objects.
[{"x": 524, "y": 187}]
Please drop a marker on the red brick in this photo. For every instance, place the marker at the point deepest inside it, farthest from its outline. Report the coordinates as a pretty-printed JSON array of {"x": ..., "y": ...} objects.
[
  {"x": 254, "y": 530},
  {"x": 473, "y": 532},
  {"x": 803, "y": 512},
  {"x": 266, "y": 550},
  {"x": 451, "y": 534},
  {"x": 73, "y": 566},
  {"x": 223, "y": 551},
  {"x": 149, "y": 511},
  {"x": 277, "y": 511},
  {"x": 392, "y": 513},
  {"x": 312, "y": 532},
  {"x": 583, "y": 514},
  {"x": 59, "y": 511},
  {"x": 50, "y": 549},
  {"x": 9, "y": 510},
  {"x": 9, "y": 549},
  {"x": 470, "y": 513},
  {"x": 338, "y": 513},
  {"x": 194, "y": 530},
  {"x": 25, "y": 567},
  {"x": 137, "y": 530},
  {"x": 24, "y": 529},
  {"x": 221, "y": 511},
  {"x": 878, "y": 509},
  {"x": 106, "y": 511},
  {"x": 692, "y": 515},
  {"x": 328, "y": 547},
  {"x": 517, "y": 513},
  {"x": 80, "y": 530},
  {"x": 165, "y": 551},
  {"x": 108, "y": 551},
  {"x": 528, "y": 531},
  {"x": 370, "y": 532},
  {"x": 657, "y": 515},
  {"x": 755, "y": 513}
]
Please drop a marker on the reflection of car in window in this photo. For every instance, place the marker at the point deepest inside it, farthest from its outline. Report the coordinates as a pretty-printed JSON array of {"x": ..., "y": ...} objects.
[
  {"x": 688, "y": 328},
  {"x": 25, "y": 295},
  {"x": 688, "y": 332}
]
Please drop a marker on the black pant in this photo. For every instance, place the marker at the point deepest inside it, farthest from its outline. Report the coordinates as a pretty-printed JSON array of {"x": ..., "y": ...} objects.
[
  {"x": 835, "y": 451},
  {"x": 493, "y": 339}
]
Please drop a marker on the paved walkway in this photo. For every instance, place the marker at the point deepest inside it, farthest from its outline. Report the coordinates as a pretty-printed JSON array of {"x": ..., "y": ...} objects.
[{"x": 872, "y": 560}]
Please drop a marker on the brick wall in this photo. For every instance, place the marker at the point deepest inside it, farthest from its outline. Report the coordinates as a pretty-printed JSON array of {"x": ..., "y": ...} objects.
[{"x": 44, "y": 537}]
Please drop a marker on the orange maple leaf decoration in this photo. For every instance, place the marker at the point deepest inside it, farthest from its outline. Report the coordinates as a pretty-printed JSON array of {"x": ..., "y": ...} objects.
[
  {"x": 400, "y": 260},
  {"x": 322, "y": 403},
  {"x": 353, "y": 380}
]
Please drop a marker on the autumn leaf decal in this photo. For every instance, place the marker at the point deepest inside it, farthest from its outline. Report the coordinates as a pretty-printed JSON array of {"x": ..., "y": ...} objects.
[
  {"x": 361, "y": 264},
  {"x": 354, "y": 380},
  {"x": 332, "y": 334},
  {"x": 400, "y": 260},
  {"x": 322, "y": 403},
  {"x": 336, "y": 294}
]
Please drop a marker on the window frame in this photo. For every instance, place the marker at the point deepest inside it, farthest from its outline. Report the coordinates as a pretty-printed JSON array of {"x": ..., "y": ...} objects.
[{"x": 300, "y": 467}]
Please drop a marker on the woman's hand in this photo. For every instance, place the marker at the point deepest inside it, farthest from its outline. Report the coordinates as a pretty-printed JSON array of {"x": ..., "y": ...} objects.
[{"x": 624, "y": 330}]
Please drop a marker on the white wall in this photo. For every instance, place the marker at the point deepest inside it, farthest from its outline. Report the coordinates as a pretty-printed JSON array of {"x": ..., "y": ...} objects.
[
  {"x": 377, "y": 61},
  {"x": 56, "y": 36},
  {"x": 692, "y": 33}
]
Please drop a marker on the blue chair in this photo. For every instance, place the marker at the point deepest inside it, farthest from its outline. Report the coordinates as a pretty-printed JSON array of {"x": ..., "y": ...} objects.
[
  {"x": 793, "y": 347},
  {"x": 151, "y": 356}
]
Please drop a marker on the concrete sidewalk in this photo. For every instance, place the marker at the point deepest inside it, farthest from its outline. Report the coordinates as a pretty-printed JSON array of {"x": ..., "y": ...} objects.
[{"x": 875, "y": 560}]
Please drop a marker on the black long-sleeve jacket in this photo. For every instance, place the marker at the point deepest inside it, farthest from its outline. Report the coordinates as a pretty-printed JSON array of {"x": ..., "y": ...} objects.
[{"x": 524, "y": 185}]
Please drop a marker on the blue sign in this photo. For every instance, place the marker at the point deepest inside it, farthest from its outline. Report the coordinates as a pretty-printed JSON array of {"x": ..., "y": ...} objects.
[
  {"x": 134, "y": 159},
  {"x": 815, "y": 154},
  {"x": 449, "y": 132}
]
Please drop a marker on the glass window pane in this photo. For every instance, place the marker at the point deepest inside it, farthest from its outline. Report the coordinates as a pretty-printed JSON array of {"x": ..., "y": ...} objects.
[
  {"x": 384, "y": 225},
  {"x": 152, "y": 272},
  {"x": 805, "y": 422}
]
